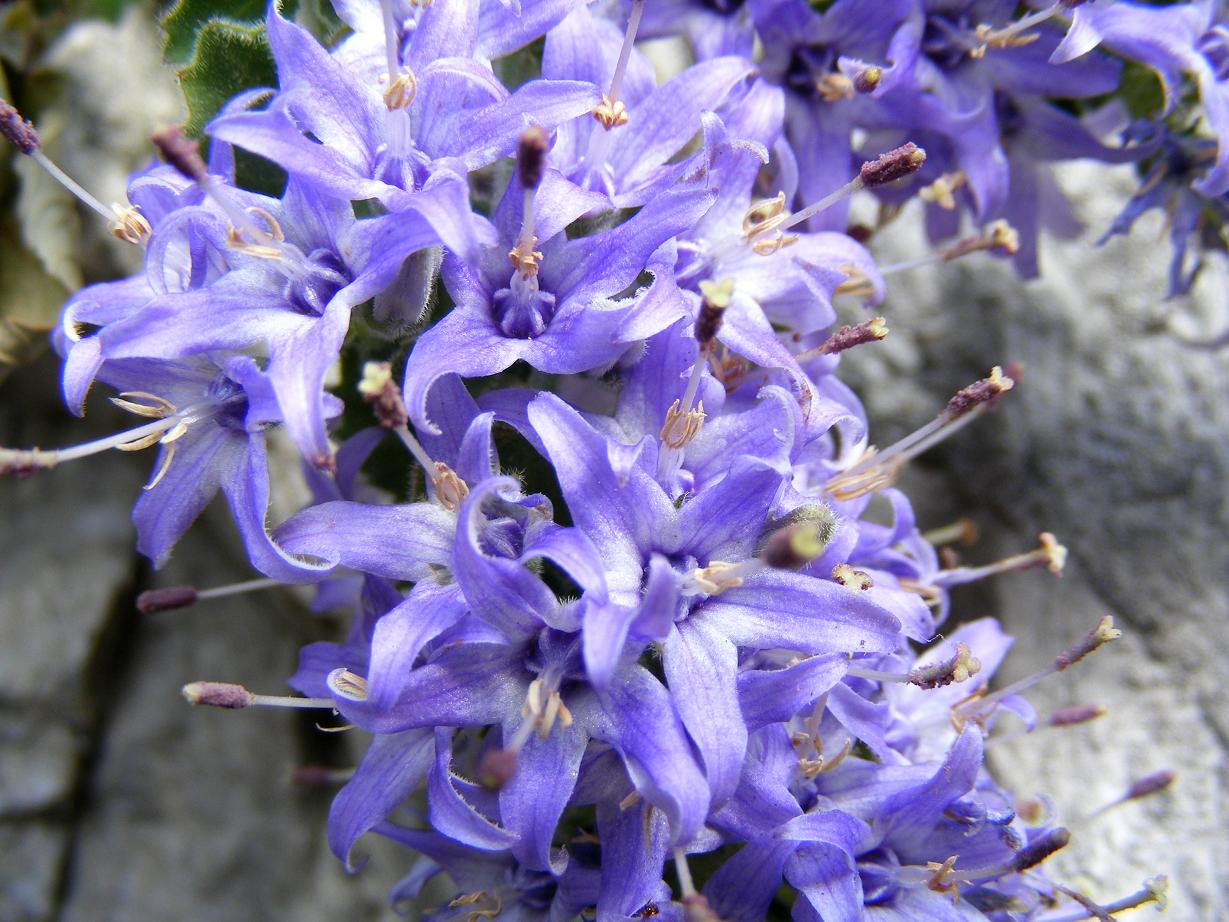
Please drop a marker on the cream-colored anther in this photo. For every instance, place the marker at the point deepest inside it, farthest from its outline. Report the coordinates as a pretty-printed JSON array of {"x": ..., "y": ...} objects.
[
  {"x": 348, "y": 684},
  {"x": 1004, "y": 237},
  {"x": 728, "y": 368},
  {"x": 681, "y": 426},
  {"x": 718, "y": 576},
  {"x": 1053, "y": 553},
  {"x": 857, "y": 282},
  {"x": 130, "y": 225},
  {"x": 835, "y": 87},
  {"x": 261, "y": 249},
  {"x": 610, "y": 113},
  {"x": 525, "y": 259},
  {"x": 759, "y": 215},
  {"x": 860, "y": 479},
  {"x": 450, "y": 489},
  {"x": 941, "y": 192},
  {"x": 143, "y": 403},
  {"x": 851, "y": 579},
  {"x": 940, "y": 879},
  {"x": 486, "y": 905},
  {"x": 760, "y": 225},
  {"x": 401, "y": 91},
  {"x": 776, "y": 242},
  {"x": 1012, "y": 36},
  {"x": 545, "y": 711}
]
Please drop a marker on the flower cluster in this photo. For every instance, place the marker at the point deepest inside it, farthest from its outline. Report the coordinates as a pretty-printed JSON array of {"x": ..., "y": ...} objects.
[{"x": 671, "y": 667}]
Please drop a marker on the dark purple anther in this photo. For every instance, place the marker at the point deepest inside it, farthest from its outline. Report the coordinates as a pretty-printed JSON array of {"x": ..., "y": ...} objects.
[
  {"x": 218, "y": 695},
  {"x": 19, "y": 132},
  {"x": 987, "y": 390},
  {"x": 1150, "y": 784},
  {"x": 1041, "y": 848},
  {"x": 167, "y": 599},
  {"x": 180, "y": 152},
  {"x": 895, "y": 164},
  {"x": 531, "y": 157}
]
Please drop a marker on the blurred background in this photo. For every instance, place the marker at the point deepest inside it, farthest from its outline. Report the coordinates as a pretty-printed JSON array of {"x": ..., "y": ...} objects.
[{"x": 118, "y": 802}]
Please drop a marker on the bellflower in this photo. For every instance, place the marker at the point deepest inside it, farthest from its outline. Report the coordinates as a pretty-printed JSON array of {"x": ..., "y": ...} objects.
[
  {"x": 832, "y": 66},
  {"x": 210, "y": 424},
  {"x": 558, "y": 308},
  {"x": 1186, "y": 38},
  {"x": 631, "y": 160},
  {"x": 950, "y": 78},
  {"x": 289, "y": 293},
  {"x": 363, "y": 147}
]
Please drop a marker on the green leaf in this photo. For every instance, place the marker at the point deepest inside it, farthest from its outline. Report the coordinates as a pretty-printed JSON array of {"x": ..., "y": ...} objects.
[
  {"x": 1141, "y": 90},
  {"x": 187, "y": 18},
  {"x": 229, "y": 58}
]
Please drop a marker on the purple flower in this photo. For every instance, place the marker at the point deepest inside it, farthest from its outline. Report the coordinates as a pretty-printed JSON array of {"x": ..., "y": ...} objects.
[
  {"x": 211, "y": 420},
  {"x": 1186, "y": 38},
  {"x": 630, "y": 162},
  {"x": 559, "y": 307},
  {"x": 288, "y": 293},
  {"x": 335, "y": 128}
]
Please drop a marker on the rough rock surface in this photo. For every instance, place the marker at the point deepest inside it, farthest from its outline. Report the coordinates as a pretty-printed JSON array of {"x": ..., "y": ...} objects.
[
  {"x": 117, "y": 800},
  {"x": 1117, "y": 440},
  {"x": 65, "y": 559}
]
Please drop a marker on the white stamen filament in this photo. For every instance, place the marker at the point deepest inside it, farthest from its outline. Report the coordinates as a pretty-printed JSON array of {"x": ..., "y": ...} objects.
[
  {"x": 687, "y": 887},
  {"x": 986, "y": 37},
  {"x": 1154, "y": 892},
  {"x": 72, "y": 185},
  {"x": 878, "y": 469},
  {"x": 625, "y": 53},
  {"x": 450, "y": 489},
  {"x": 979, "y": 705},
  {"x": 391, "y": 46},
  {"x": 128, "y": 440},
  {"x": 999, "y": 235},
  {"x": 611, "y": 112},
  {"x": 823, "y": 204},
  {"x": 416, "y": 449},
  {"x": 126, "y": 223},
  {"x": 287, "y": 701},
  {"x": 1051, "y": 555},
  {"x": 251, "y": 585},
  {"x": 524, "y": 257},
  {"x": 682, "y": 423}
]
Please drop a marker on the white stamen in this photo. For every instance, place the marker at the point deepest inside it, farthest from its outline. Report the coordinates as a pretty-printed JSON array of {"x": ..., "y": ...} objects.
[
  {"x": 72, "y": 185},
  {"x": 252, "y": 585}
]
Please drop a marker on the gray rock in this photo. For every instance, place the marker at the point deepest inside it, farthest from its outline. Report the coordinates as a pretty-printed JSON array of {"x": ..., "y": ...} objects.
[
  {"x": 33, "y": 855},
  {"x": 1116, "y": 441},
  {"x": 191, "y": 813},
  {"x": 65, "y": 557}
]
